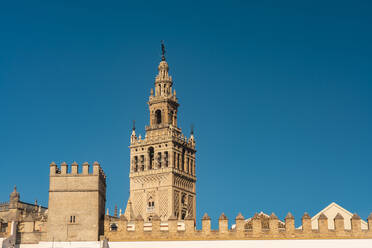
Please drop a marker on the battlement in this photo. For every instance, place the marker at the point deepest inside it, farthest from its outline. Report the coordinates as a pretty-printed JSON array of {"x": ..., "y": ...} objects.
[
  {"x": 120, "y": 229},
  {"x": 73, "y": 169}
]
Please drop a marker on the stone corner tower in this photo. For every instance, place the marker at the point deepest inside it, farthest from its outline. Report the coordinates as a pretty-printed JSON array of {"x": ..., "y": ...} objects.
[
  {"x": 162, "y": 165},
  {"x": 76, "y": 202}
]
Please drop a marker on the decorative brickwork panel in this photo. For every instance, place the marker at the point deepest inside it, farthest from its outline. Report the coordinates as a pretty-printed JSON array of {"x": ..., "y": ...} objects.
[
  {"x": 163, "y": 204},
  {"x": 138, "y": 203},
  {"x": 183, "y": 183},
  {"x": 190, "y": 206},
  {"x": 176, "y": 203}
]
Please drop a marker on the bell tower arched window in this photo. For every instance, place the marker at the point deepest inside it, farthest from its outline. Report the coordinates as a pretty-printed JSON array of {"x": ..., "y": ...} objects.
[
  {"x": 151, "y": 157},
  {"x": 158, "y": 116},
  {"x": 170, "y": 121}
]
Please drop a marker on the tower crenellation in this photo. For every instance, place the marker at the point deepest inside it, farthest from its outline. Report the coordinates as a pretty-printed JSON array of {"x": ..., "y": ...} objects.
[{"x": 73, "y": 169}]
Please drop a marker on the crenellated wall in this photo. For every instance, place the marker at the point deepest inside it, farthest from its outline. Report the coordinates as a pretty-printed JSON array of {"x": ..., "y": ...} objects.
[{"x": 174, "y": 229}]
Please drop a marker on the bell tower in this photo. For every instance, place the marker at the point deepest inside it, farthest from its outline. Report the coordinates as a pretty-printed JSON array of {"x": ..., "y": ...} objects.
[{"x": 162, "y": 165}]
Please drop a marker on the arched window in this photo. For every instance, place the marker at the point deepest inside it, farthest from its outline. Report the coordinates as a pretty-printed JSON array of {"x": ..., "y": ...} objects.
[
  {"x": 151, "y": 157},
  {"x": 183, "y": 160},
  {"x": 170, "y": 121},
  {"x": 135, "y": 166},
  {"x": 158, "y": 116},
  {"x": 159, "y": 160},
  {"x": 142, "y": 162},
  {"x": 166, "y": 159}
]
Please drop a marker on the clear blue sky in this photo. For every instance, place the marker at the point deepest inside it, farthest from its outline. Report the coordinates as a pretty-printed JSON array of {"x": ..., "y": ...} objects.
[{"x": 279, "y": 93}]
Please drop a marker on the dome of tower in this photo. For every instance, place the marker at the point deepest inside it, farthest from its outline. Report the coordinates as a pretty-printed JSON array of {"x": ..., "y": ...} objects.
[{"x": 163, "y": 65}]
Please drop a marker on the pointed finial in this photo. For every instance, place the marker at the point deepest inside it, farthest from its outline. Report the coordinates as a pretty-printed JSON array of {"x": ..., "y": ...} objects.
[
  {"x": 162, "y": 51},
  {"x": 273, "y": 216},
  {"x": 15, "y": 188},
  {"x": 206, "y": 217},
  {"x": 134, "y": 125},
  {"x": 289, "y": 216},
  {"x": 192, "y": 129},
  {"x": 116, "y": 211},
  {"x": 306, "y": 216},
  {"x": 239, "y": 217},
  {"x": 223, "y": 217}
]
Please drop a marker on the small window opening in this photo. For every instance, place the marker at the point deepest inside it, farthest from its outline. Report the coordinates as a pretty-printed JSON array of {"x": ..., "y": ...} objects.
[
  {"x": 114, "y": 227},
  {"x": 4, "y": 227},
  {"x": 72, "y": 219}
]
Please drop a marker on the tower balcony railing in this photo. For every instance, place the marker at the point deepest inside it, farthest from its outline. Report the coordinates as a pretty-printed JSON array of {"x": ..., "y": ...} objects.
[
  {"x": 4, "y": 206},
  {"x": 156, "y": 126}
]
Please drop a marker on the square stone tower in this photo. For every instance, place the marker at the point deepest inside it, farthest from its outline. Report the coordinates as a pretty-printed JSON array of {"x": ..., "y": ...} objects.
[
  {"x": 162, "y": 165},
  {"x": 76, "y": 203}
]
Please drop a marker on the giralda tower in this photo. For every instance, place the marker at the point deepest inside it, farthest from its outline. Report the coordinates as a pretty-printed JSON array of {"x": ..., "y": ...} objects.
[{"x": 162, "y": 165}]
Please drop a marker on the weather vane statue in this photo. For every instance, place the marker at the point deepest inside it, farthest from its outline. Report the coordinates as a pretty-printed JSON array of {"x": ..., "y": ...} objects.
[{"x": 162, "y": 51}]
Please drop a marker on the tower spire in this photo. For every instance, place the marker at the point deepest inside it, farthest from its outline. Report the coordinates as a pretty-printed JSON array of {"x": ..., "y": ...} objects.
[{"x": 162, "y": 51}]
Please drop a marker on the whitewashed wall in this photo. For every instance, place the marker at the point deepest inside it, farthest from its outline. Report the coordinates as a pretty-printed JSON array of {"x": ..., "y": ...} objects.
[{"x": 339, "y": 243}]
